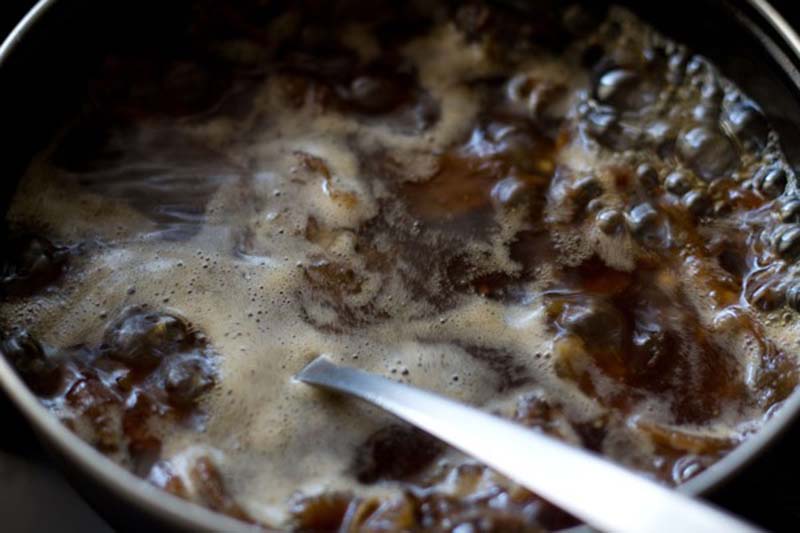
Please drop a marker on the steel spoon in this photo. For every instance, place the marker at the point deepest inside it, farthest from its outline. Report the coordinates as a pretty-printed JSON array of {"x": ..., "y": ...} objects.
[{"x": 593, "y": 489}]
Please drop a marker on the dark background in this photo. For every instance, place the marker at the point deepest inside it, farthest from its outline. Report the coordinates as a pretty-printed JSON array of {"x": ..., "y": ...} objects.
[{"x": 34, "y": 496}]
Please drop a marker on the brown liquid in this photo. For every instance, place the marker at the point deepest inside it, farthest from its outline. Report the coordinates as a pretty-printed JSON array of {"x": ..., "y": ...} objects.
[{"x": 576, "y": 224}]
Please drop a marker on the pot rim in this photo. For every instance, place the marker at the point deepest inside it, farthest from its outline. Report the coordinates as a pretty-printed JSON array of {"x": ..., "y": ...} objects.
[{"x": 190, "y": 516}]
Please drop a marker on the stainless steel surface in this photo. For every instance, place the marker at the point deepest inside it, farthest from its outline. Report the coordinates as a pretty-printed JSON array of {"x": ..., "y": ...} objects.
[
  {"x": 593, "y": 489},
  {"x": 143, "y": 499},
  {"x": 780, "y": 24},
  {"x": 28, "y": 487}
]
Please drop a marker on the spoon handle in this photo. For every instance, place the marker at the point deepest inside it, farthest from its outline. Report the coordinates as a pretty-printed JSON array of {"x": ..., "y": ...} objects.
[{"x": 593, "y": 489}]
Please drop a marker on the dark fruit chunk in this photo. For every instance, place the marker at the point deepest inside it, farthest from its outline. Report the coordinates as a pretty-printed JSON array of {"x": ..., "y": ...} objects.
[
  {"x": 211, "y": 489},
  {"x": 20, "y": 346},
  {"x": 394, "y": 452},
  {"x": 28, "y": 356},
  {"x": 187, "y": 378},
  {"x": 142, "y": 339},
  {"x": 97, "y": 406},
  {"x": 151, "y": 368},
  {"x": 33, "y": 262},
  {"x": 596, "y": 322}
]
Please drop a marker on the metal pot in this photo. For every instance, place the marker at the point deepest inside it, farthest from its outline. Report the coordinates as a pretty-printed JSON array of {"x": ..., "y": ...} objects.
[{"x": 45, "y": 62}]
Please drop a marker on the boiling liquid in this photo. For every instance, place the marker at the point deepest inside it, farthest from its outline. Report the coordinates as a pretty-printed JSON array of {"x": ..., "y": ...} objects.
[{"x": 494, "y": 221}]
